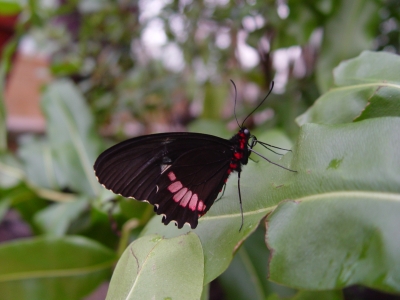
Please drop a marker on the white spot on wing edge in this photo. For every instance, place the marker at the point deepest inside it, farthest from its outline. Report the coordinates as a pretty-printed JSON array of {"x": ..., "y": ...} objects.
[
  {"x": 164, "y": 168},
  {"x": 176, "y": 222}
]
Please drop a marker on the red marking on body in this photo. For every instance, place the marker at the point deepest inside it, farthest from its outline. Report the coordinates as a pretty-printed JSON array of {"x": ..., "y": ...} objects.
[
  {"x": 238, "y": 155},
  {"x": 175, "y": 186},
  {"x": 171, "y": 176},
  {"x": 233, "y": 166},
  {"x": 229, "y": 171}
]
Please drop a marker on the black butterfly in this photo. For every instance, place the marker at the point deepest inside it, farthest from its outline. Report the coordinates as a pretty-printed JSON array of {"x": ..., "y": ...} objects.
[{"x": 180, "y": 173}]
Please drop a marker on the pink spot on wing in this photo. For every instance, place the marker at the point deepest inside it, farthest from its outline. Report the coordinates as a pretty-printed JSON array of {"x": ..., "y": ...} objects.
[
  {"x": 175, "y": 186},
  {"x": 185, "y": 200},
  {"x": 193, "y": 202},
  {"x": 179, "y": 195},
  {"x": 201, "y": 206},
  {"x": 184, "y": 196},
  {"x": 171, "y": 176}
]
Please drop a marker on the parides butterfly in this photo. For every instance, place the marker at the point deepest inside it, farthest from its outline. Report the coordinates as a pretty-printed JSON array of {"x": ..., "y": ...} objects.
[{"x": 180, "y": 173}]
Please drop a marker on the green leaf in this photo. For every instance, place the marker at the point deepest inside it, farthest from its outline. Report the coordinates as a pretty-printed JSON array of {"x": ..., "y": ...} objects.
[
  {"x": 52, "y": 268},
  {"x": 56, "y": 219},
  {"x": 153, "y": 267},
  {"x": 350, "y": 31},
  {"x": 347, "y": 194},
  {"x": 241, "y": 281},
  {"x": 327, "y": 159},
  {"x": 337, "y": 239},
  {"x": 40, "y": 163},
  {"x": 71, "y": 135},
  {"x": 368, "y": 86},
  {"x": 246, "y": 277}
]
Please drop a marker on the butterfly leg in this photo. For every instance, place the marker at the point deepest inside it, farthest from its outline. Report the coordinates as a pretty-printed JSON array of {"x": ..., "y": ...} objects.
[
  {"x": 240, "y": 201},
  {"x": 223, "y": 192}
]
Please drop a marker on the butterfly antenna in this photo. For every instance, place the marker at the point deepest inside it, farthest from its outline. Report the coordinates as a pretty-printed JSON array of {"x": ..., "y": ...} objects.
[
  {"x": 270, "y": 90},
  {"x": 234, "y": 108},
  {"x": 271, "y": 162}
]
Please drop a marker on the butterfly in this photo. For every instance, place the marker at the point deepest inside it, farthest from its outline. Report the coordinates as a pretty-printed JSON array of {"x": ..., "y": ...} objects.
[{"x": 180, "y": 173}]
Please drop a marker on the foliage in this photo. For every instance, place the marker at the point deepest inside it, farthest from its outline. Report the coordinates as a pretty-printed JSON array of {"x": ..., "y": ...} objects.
[{"x": 331, "y": 225}]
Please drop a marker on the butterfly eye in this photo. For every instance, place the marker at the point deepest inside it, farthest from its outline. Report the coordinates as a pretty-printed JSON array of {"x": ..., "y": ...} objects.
[{"x": 246, "y": 131}]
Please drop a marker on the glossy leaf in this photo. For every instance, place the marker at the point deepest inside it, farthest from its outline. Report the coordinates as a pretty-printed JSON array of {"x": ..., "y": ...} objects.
[
  {"x": 156, "y": 268},
  {"x": 52, "y": 268},
  {"x": 367, "y": 86},
  {"x": 346, "y": 191},
  {"x": 337, "y": 239},
  {"x": 327, "y": 159}
]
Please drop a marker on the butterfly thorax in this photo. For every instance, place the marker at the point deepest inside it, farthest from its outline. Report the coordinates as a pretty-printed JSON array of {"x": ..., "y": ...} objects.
[{"x": 240, "y": 150}]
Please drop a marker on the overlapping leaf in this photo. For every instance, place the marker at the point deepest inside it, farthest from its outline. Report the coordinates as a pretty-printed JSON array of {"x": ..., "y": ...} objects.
[
  {"x": 367, "y": 86},
  {"x": 33, "y": 268},
  {"x": 156, "y": 268}
]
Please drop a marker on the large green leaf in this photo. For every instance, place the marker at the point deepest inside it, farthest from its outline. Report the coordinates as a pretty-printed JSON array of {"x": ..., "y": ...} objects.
[
  {"x": 337, "y": 239},
  {"x": 328, "y": 159},
  {"x": 71, "y": 135},
  {"x": 343, "y": 224},
  {"x": 52, "y": 268},
  {"x": 156, "y": 268},
  {"x": 367, "y": 86}
]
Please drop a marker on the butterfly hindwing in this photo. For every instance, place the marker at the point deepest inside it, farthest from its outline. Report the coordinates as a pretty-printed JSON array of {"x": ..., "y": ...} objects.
[{"x": 187, "y": 188}]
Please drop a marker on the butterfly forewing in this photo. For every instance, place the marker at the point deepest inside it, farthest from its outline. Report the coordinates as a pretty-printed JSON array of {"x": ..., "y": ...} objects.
[{"x": 181, "y": 174}]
